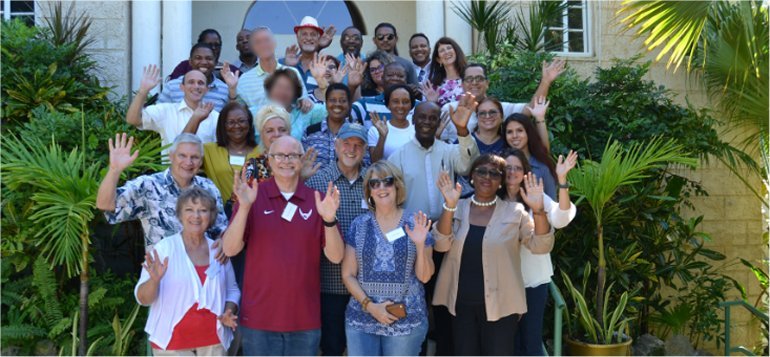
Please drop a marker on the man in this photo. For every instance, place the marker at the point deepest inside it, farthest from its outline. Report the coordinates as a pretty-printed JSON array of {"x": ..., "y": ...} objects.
[
  {"x": 394, "y": 73},
  {"x": 475, "y": 81},
  {"x": 348, "y": 175},
  {"x": 386, "y": 38},
  {"x": 423, "y": 158},
  {"x": 152, "y": 198},
  {"x": 202, "y": 59},
  {"x": 246, "y": 57},
  {"x": 251, "y": 86},
  {"x": 419, "y": 50},
  {"x": 170, "y": 119},
  {"x": 285, "y": 230},
  {"x": 310, "y": 39},
  {"x": 212, "y": 38},
  {"x": 351, "y": 42}
]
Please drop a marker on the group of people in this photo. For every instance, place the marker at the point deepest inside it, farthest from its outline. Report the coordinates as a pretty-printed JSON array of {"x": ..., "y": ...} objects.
[{"x": 344, "y": 198}]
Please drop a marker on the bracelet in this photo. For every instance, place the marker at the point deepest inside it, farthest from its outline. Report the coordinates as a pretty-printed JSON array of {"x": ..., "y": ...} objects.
[
  {"x": 539, "y": 213},
  {"x": 566, "y": 185},
  {"x": 365, "y": 302},
  {"x": 539, "y": 121},
  {"x": 331, "y": 224},
  {"x": 447, "y": 208}
]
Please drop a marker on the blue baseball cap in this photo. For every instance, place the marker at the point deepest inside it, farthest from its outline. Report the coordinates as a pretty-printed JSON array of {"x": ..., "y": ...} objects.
[{"x": 349, "y": 130}]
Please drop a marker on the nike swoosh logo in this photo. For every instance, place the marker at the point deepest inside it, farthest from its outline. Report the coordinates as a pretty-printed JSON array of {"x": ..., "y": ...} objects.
[{"x": 269, "y": 212}]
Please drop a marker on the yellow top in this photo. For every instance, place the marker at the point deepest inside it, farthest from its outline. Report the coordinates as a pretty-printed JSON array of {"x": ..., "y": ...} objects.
[{"x": 218, "y": 168}]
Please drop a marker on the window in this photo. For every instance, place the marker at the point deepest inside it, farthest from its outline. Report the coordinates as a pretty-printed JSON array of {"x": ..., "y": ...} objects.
[
  {"x": 282, "y": 16},
  {"x": 24, "y": 10},
  {"x": 570, "y": 33}
]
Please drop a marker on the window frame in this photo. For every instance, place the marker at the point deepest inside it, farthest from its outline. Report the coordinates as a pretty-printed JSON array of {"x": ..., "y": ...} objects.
[
  {"x": 587, "y": 30},
  {"x": 7, "y": 14}
]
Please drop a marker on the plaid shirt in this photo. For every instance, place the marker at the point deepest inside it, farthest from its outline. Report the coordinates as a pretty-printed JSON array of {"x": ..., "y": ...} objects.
[
  {"x": 321, "y": 139},
  {"x": 351, "y": 206},
  {"x": 152, "y": 200}
]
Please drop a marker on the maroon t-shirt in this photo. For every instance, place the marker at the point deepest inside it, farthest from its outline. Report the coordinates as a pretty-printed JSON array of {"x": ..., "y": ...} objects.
[{"x": 282, "y": 275}]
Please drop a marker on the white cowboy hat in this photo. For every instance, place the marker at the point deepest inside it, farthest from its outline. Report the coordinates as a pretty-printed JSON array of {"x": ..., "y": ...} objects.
[{"x": 309, "y": 22}]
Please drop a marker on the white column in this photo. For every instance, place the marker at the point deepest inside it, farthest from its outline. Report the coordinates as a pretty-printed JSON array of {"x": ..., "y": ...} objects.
[
  {"x": 430, "y": 19},
  {"x": 145, "y": 38},
  {"x": 177, "y": 33},
  {"x": 456, "y": 28}
]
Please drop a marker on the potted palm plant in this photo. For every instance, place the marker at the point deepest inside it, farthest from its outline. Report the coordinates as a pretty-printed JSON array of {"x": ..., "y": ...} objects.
[{"x": 596, "y": 329}]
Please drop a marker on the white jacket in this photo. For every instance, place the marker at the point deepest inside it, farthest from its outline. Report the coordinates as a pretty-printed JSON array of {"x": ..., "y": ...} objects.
[{"x": 537, "y": 269}]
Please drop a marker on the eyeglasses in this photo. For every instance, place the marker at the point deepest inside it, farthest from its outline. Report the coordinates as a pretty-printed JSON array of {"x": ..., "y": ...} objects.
[
  {"x": 475, "y": 79},
  {"x": 388, "y": 37},
  {"x": 283, "y": 157},
  {"x": 488, "y": 114},
  {"x": 377, "y": 69},
  {"x": 514, "y": 169},
  {"x": 351, "y": 37},
  {"x": 383, "y": 182},
  {"x": 232, "y": 123},
  {"x": 487, "y": 173}
]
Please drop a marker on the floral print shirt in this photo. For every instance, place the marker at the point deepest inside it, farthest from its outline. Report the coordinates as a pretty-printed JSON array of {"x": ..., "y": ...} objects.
[{"x": 450, "y": 91}]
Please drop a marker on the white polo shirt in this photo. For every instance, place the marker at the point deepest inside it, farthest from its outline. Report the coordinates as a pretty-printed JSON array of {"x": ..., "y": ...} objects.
[{"x": 169, "y": 120}]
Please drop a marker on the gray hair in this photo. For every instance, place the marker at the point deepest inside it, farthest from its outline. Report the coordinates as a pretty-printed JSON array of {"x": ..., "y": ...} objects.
[
  {"x": 262, "y": 28},
  {"x": 196, "y": 194},
  {"x": 186, "y": 138}
]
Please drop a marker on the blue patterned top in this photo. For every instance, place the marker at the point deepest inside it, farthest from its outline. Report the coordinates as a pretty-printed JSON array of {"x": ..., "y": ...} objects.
[
  {"x": 386, "y": 272},
  {"x": 152, "y": 200}
]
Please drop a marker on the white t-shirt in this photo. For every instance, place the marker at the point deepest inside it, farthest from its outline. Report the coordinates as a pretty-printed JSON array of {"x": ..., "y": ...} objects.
[
  {"x": 397, "y": 137},
  {"x": 169, "y": 120}
]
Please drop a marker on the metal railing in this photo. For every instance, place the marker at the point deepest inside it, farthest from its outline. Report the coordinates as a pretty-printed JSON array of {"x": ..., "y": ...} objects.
[
  {"x": 754, "y": 311},
  {"x": 558, "y": 310}
]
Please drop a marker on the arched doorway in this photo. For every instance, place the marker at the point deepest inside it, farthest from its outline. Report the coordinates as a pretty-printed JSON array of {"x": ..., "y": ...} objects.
[{"x": 282, "y": 16}]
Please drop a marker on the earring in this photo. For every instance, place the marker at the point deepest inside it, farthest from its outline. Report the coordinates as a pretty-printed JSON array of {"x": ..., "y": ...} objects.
[
  {"x": 471, "y": 181},
  {"x": 501, "y": 186},
  {"x": 371, "y": 201}
]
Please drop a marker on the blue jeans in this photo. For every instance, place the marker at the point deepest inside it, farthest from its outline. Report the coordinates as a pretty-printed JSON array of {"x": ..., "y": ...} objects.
[
  {"x": 269, "y": 343},
  {"x": 529, "y": 339},
  {"x": 365, "y": 344}
]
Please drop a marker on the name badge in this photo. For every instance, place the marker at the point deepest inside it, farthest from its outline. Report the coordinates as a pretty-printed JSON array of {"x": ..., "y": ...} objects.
[
  {"x": 237, "y": 160},
  {"x": 288, "y": 212},
  {"x": 395, "y": 234},
  {"x": 364, "y": 205}
]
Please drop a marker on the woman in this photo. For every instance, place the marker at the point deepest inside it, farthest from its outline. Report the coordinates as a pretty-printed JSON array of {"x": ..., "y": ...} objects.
[
  {"x": 480, "y": 277},
  {"x": 320, "y": 137},
  {"x": 374, "y": 69},
  {"x": 384, "y": 270},
  {"x": 520, "y": 133},
  {"x": 537, "y": 269},
  {"x": 487, "y": 134},
  {"x": 446, "y": 70},
  {"x": 284, "y": 88},
  {"x": 235, "y": 144},
  {"x": 198, "y": 296},
  {"x": 385, "y": 137}
]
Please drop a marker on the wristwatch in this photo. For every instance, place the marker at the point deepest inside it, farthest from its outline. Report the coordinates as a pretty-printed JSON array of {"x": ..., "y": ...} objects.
[
  {"x": 566, "y": 185},
  {"x": 330, "y": 224}
]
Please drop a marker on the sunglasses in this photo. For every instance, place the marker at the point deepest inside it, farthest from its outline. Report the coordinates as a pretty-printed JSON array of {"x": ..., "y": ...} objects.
[
  {"x": 487, "y": 173},
  {"x": 475, "y": 79},
  {"x": 383, "y": 182},
  {"x": 388, "y": 37},
  {"x": 488, "y": 114}
]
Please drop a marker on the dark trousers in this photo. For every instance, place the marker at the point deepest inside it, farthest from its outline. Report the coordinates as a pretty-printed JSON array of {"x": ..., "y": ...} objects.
[
  {"x": 475, "y": 336},
  {"x": 529, "y": 339},
  {"x": 333, "y": 323},
  {"x": 441, "y": 319}
]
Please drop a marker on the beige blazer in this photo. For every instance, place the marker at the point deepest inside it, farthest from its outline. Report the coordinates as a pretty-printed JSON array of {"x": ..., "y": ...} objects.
[{"x": 508, "y": 228}]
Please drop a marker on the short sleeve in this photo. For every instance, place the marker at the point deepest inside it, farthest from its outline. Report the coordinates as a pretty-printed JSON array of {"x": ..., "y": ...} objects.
[
  {"x": 221, "y": 223},
  {"x": 207, "y": 130},
  {"x": 151, "y": 118},
  {"x": 373, "y": 136},
  {"x": 350, "y": 238},
  {"x": 317, "y": 114},
  {"x": 129, "y": 202}
]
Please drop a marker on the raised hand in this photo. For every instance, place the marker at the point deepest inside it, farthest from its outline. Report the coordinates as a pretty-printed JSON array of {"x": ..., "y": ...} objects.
[
  {"x": 120, "y": 152},
  {"x": 230, "y": 78},
  {"x": 381, "y": 125},
  {"x": 541, "y": 106},
  {"x": 421, "y": 228},
  {"x": 532, "y": 192},
  {"x": 327, "y": 207},
  {"x": 150, "y": 78},
  {"x": 229, "y": 319},
  {"x": 155, "y": 267},
  {"x": 356, "y": 69},
  {"x": 202, "y": 111},
  {"x": 291, "y": 57},
  {"x": 428, "y": 93},
  {"x": 563, "y": 166},
  {"x": 318, "y": 67},
  {"x": 552, "y": 70},
  {"x": 338, "y": 75},
  {"x": 309, "y": 166},
  {"x": 451, "y": 191},
  {"x": 328, "y": 36},
  {"x": 305, "y": 105},
  {"x": 465, "y": 107},
  {"x": 245, "y": 191},
  {"x": 380, "y": 313}
]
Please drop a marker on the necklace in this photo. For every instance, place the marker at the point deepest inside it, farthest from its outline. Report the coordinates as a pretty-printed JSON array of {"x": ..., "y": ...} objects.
[{"x": 483, "y": 204}]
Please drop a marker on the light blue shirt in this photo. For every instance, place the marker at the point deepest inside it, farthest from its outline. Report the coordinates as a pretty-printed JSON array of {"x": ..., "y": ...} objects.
[
  {"x": 299, "y": 120},
  {"x": 251, "y": 86},
  {"x": 217, "y": 94}
]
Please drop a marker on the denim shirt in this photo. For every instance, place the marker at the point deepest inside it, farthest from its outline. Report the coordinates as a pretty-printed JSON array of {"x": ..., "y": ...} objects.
[{"x": 386, "y": 271}]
